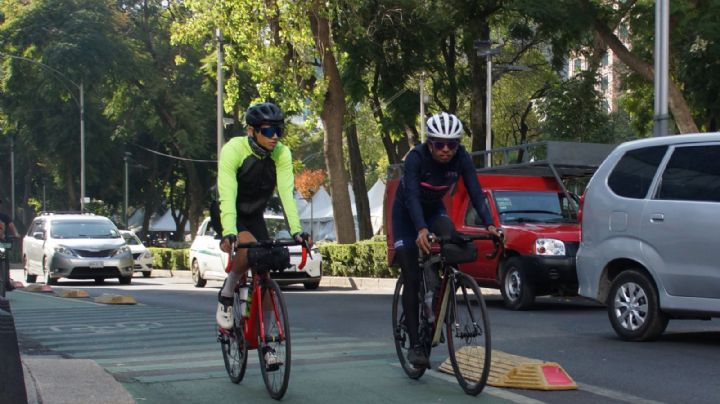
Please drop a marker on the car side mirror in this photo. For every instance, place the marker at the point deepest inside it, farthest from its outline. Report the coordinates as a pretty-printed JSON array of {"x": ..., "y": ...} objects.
[{"x": 39, "y": 235}]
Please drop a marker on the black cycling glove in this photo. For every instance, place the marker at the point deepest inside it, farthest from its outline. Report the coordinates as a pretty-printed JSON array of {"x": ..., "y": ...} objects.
[
  {"x": 231, "y": 238},
  {"x": 301, "y": 237}
]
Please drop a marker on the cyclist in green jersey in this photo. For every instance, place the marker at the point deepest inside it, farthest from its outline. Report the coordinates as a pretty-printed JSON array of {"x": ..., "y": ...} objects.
[{"x": 250, "y": 169}]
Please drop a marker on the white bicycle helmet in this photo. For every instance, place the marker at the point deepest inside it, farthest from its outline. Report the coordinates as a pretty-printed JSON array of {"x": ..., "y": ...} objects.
[{"x": 444, "y": 126}]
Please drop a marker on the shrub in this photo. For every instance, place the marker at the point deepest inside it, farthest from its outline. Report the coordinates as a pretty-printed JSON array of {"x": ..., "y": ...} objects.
[
  {"x": 169, "y": 258},
  {"x": 367, "y": 258}
]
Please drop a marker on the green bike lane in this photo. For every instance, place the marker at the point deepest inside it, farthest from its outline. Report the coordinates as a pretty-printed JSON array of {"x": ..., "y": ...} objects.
[{"x": 164, "y": 355}]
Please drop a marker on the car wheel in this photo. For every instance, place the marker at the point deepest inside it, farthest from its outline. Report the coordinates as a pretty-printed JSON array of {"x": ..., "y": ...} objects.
[
  {"x": 125, "y": 280},
  {"x": 516, "y": 288},
  {"x": 196, "y": 276},
  {"x": 312, "y": 285},
  {"x": 46, "y": 273},
  {"x": 633, "y": 307},
  {"x": 28, "y": 278},
  {"x": 147, "y": 274},
  {"x": 99, "y": 281}
]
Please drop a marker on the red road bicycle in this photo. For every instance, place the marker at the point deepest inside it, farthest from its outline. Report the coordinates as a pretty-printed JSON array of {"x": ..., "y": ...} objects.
[{"x": 251, "y": 329}]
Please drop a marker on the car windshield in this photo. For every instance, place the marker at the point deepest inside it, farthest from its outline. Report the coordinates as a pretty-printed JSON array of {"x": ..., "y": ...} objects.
[
  {"x": 534, "y": 207},
  {"x": 130, "y": 239},
  {"x": 83, "y": 229},
  {"x": 277, "y": 228}
]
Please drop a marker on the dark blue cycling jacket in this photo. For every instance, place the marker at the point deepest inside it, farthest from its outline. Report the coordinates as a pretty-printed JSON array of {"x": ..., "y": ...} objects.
[{"x": 425, "y": 182}]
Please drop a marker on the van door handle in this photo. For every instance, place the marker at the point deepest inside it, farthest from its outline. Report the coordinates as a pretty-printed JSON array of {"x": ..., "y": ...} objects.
[{"x": 657, "y": 218}]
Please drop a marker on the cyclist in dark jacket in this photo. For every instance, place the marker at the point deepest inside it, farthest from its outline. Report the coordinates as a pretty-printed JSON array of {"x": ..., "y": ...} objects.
[{"x": 429, "y": 171}]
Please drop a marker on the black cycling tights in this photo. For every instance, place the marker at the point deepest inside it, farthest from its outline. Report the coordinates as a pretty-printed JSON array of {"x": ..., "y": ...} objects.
[{"x": 408, "y": 260}]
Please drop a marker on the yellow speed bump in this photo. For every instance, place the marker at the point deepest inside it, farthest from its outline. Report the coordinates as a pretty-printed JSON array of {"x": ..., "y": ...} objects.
[
  {"x": 512, "y": 371},
  {"x": 72, "y": 293},
  {"x": 38, "y": 288},
  {"x": 115, "y": 299}
]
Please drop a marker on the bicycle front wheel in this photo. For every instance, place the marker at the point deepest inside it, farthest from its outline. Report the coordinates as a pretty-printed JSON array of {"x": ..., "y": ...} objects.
[
  {"x": 274, "y": 350},
  {"x": 234, "y": 347},
  {"x": 468, "y": 335},
  {"x": 400, "y": 333}
]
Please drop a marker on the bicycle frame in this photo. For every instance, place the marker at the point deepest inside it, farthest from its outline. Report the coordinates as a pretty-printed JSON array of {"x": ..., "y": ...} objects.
[
  {"x": 253, "y": 336},
  {"x": 256, "y": 311}
]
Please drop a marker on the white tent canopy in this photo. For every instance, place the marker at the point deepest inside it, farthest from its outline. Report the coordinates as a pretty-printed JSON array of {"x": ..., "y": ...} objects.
[
  {"x": 376, "y": 196},
  {"x": 166, "y": 223}
]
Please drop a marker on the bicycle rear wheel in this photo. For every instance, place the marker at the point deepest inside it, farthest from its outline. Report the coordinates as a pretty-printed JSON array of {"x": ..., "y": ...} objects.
[
  {"x": 400, "y": 334},
  {"x": 233, "y": 345},
  {"x": 277, "y": 338},
  {"x": 468, "y": 335}
]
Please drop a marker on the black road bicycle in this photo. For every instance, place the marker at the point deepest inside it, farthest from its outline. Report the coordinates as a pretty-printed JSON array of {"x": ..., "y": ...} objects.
[{"x": 455, "y": 313}]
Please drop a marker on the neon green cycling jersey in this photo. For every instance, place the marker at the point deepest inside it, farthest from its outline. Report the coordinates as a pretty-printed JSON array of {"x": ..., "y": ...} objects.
[{"x": 246, "y": 182}]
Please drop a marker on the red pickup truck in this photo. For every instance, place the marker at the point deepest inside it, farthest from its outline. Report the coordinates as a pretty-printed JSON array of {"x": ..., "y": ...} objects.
[{"x": 539, "y": 218}]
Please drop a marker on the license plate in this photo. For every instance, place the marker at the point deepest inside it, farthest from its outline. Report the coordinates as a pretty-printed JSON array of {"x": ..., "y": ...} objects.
[{"x": 96, "y": 264}]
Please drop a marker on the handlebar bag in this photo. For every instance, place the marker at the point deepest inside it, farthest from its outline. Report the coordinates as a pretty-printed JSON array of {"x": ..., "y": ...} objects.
[
  {"x": 459, "y": 253},
  {"x": 269, "y": 259}
]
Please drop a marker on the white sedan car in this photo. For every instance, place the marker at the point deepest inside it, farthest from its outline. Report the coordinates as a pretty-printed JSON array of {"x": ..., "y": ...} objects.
[
  {"x": 141, "y": 255},
  {"x": 207, "y": 262}
]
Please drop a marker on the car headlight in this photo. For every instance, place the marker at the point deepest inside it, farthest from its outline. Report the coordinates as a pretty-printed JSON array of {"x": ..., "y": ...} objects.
[
  {"x": 65, "y": 251},
  {"x": 148, "y": 254},
  {"x": 121, "y": 250},
  {"x": 549, "y": 246}
]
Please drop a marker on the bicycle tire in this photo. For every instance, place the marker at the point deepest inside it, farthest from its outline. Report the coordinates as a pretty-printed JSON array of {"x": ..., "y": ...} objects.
[
  {"x": 277, "y": 336},
  {"x": 400, "y": 335},
  {"x": 468, "y": 335},
  {"x": 234, "y": 347}
]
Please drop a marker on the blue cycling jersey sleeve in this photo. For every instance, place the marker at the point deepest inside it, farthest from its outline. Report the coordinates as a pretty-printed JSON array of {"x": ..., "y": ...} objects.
[
  {"x": 411, "y": 182},
  {"x": 475, "y": 192}
]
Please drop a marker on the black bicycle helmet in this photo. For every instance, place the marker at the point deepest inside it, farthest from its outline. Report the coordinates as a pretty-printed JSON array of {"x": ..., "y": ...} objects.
[{"x": 264, "y": 113}]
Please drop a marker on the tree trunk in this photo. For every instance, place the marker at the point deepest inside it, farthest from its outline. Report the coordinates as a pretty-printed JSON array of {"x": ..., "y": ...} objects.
[
  {"x": 678, "y": 105},
  {"x": 357, "y": 174},
  {"x": 332, "y": 115},
  {"x": 70, "y": 187},
  {"x": 197, "y": 193}
]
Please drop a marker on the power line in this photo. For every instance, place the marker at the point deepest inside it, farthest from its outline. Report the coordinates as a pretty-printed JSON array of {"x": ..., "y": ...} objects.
[{"x": 173, "y": 157}]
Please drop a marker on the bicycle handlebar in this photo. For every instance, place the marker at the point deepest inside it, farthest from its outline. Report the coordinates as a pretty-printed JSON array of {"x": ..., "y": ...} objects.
[
  {"x": 306, "y": 251},
  {"x": 460, "y": 238}
]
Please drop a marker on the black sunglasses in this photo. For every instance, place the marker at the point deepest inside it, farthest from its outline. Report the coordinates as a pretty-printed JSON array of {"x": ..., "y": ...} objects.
[
  {"x": 271, "y": 131},
  {"x": 441, "y": 144}
]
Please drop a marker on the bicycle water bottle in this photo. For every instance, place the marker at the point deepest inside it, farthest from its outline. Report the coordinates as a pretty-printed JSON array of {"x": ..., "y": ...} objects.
[{"x": 244, "y": 300}]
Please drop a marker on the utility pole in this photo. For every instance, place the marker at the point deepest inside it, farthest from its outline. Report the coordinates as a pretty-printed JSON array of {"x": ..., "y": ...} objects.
[
  {"x": 220, "y": 86},
  {"x": 12, "y": 178},
  {"x": 662, "y": 50},
  {"x": 125, "y": 206},
  {"x": 422, "y": 107}
]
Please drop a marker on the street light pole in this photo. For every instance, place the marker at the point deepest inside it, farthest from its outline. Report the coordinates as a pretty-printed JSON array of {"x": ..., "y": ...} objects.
[
  {"x": 484, "y": 48},
  {"x": 220, "y": 86},
  {"x": 82, "y": 147},
  {"x": 12, "y": 179},
  {"x": 662, "y": 12},
  {"x": 125, "y": 206}
]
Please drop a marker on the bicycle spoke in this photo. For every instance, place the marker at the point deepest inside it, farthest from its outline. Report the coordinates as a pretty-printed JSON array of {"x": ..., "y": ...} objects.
[{"x": 468, "y": 330}]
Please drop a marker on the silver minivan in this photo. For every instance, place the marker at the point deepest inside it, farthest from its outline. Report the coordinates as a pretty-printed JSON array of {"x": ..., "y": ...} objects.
[{"x": 650, "y": 247}]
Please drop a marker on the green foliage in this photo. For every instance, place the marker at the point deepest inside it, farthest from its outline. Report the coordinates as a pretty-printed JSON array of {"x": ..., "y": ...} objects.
[
  {"x": 169, "y": 258},
  {"x": 366, "y": 258}
]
